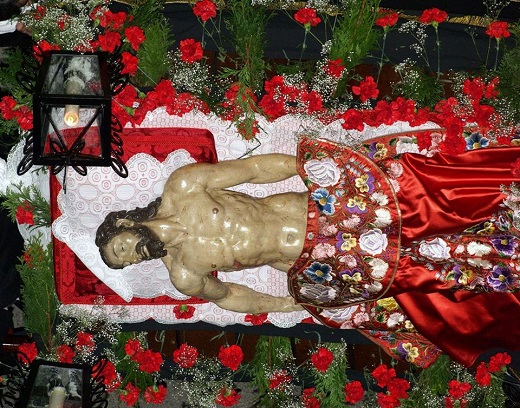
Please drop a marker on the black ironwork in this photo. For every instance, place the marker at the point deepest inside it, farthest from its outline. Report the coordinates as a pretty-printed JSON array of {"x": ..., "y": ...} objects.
[
  {"x": 49, "y": 143},
  {"x": 22, "y": 380}
]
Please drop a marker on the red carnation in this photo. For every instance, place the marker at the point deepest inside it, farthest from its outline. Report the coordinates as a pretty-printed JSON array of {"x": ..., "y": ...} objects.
[
  {"x": 387, "y": 400},
  {"x": 231, "y": 356},
  {"x": 307, "y": 17},
  {"x": 205, "y": 9},
  {"x": 43, "y": 47},
  {"x": 7, "y": 105},
  {"x": 185, "y": 356},
  {"x": 308, "y": 398},
  {"x": 29, "y": 351},
  {"x": 387, "y": 18},
  {"x": 155, "y": 394},
  {"x": 24, "y": 214},
  {"x": 109, "y": 41},
  {"x": 352, "y": 119},
  {"x": 367, "y": 89},
  {"x": 474, "y": 88},
  {"x": 491, "y": 92},
  {"x": 498, "y": 30},
  {"x": 433, "y": 16},
  {"x": 458, "y": 389},
  {"x": 133, "y": 346},
  {"x": 85, "y": 341},
  {"x": 256, "y": 319},
  {"x": 108, "y": 374},
  {"x": 135, "y": 36},
  {"x": 322, "y": 359},
  {"x": 398, "y": 387},
  {"x": 148, "y": 360},
  {"x": 130, "y": 63},
  {"x": 24, "y": 117},
  {"x": 335, "y": 67},
  {"x": 112, "y": 20},
  {"x": 498, "y": 362},
  {"x": 354, "y": 392},
  {"x": 191, "y": 50},
  {"x": 227, "y": 397},
  {"x": 279, "y": 379},
  {"x": 382, "y": 374},
  {"x": 39, "y": 13},
  {"x": 65, "y": 354},
  {"x": 130, "y": 394},
  {"x": 183, "y": 311},
  {"x": 127, "y": 96},
  {"x": 482, "y": 375}
]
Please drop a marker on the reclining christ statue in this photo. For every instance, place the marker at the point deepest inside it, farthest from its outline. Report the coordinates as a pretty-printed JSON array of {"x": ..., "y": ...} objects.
[{"x": 434, "y": 233}]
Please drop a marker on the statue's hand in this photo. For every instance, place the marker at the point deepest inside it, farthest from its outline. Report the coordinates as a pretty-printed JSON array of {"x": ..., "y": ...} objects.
[{"x": 289, "y": 304}]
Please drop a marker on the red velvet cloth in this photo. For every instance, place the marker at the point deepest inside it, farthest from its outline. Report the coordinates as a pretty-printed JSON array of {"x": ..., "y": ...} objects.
[
  {"x": 75, "y": 283},
  {"x": 443, "y": 195}
]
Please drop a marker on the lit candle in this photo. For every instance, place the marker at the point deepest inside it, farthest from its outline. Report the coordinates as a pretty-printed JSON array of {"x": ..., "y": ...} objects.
[
  {"x": 73, "y": 86},
  {"x": 71, "y": 115},
  {"x": 57, "y": 398}
]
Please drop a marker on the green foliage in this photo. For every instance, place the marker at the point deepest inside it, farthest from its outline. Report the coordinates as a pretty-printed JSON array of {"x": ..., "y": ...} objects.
[
  {"x": 353, "y": 34},
  {"x": 30, "y": 196},
  {"x": 125, "y": 365},
  {"x": 146, "y": 12},
  {"x": 509, "y": 86},
  {"x": 417, "y": 85},
  {"x": 154, "y": 62},
  {"x": 272, "y": 353},
  {"x": 15, "y": 62},
  {"x": 41, "y": 303},
  {"x": 247, "y": 24},
  {"x": 330, "y": 384},
  {"x": 153, "y": 53}
]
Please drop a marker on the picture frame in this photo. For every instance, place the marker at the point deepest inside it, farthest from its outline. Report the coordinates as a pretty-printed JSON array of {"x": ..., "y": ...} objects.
[{"x": 53, "y": 384}]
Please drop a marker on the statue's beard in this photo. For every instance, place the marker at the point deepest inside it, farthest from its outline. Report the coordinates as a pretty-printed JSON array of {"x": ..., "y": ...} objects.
[{"x": 149, "y": 247}]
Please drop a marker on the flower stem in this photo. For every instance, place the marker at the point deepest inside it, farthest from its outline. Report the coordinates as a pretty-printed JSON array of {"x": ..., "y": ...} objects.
[
  {"x": 304, "y": 45},
  {"x": 496, "y": 56},
  {"x": 382, "y": 56},
  {"x": 438, "y": 43}
]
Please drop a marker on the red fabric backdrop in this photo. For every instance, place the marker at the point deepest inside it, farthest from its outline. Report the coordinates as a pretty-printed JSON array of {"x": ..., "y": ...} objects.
[{"x": 75, "y": 283}]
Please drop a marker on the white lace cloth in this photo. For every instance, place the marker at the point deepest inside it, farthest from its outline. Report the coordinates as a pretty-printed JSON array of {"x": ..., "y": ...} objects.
[{"x": 89, "y": 198}]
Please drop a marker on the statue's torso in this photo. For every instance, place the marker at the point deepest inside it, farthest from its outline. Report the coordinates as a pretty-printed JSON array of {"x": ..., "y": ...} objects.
[{"x": 226, "y": 230}]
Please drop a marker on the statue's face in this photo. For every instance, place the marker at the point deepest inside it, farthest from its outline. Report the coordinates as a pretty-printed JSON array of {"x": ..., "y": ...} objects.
[
  {"x": 131, "y": 247},
  {"x": 122, "y": 251}
]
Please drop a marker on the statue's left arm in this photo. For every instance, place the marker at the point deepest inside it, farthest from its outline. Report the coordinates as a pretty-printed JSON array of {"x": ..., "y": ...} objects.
[
  {"x": 230, "y": 296},
  {"x": 259, "y": 169}
]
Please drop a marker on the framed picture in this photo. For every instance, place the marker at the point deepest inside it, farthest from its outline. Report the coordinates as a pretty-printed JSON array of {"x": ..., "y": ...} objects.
[{"x": 56, "y": 385}]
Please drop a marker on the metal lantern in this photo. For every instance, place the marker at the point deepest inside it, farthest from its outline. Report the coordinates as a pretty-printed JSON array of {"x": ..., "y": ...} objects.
[{"x": 73, "y": 123}]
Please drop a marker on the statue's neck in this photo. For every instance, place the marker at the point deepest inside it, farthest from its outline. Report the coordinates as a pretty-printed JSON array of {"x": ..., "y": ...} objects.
[{"x": 168, "y": 230}]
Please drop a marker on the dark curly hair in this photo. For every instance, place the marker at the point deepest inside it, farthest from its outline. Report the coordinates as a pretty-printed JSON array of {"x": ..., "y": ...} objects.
[{"x": 109, "y": 229}]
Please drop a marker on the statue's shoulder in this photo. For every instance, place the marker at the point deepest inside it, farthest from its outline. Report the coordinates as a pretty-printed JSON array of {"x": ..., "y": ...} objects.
[{"x": 185, "y": 178}]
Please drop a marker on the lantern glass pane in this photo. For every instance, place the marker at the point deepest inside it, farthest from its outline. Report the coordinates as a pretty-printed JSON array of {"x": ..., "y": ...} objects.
[
  {"x": 73, "y": 128},
  {"x": 73, "y": 75}
]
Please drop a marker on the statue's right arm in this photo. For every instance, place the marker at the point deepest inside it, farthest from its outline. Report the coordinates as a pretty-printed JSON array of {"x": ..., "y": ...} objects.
[
  {"x": 230, "y": 296},
  {"x": 267, "y": 168}
]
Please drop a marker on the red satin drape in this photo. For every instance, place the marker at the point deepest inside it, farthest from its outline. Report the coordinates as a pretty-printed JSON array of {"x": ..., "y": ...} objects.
[{"x": 444, "y": 195}]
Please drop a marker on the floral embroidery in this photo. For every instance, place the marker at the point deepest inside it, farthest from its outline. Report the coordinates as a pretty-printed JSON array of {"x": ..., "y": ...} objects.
[
  {"x": 484, "y": 256},
  {"x": 476, "y": 141},
  {"x": 322, "y": 172},
  {"x": 436, "y": 250},
  {"x": 324, "y": 200},
  {"x": 351, "y": 250},
  {"x": 318, "y": 272}
]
